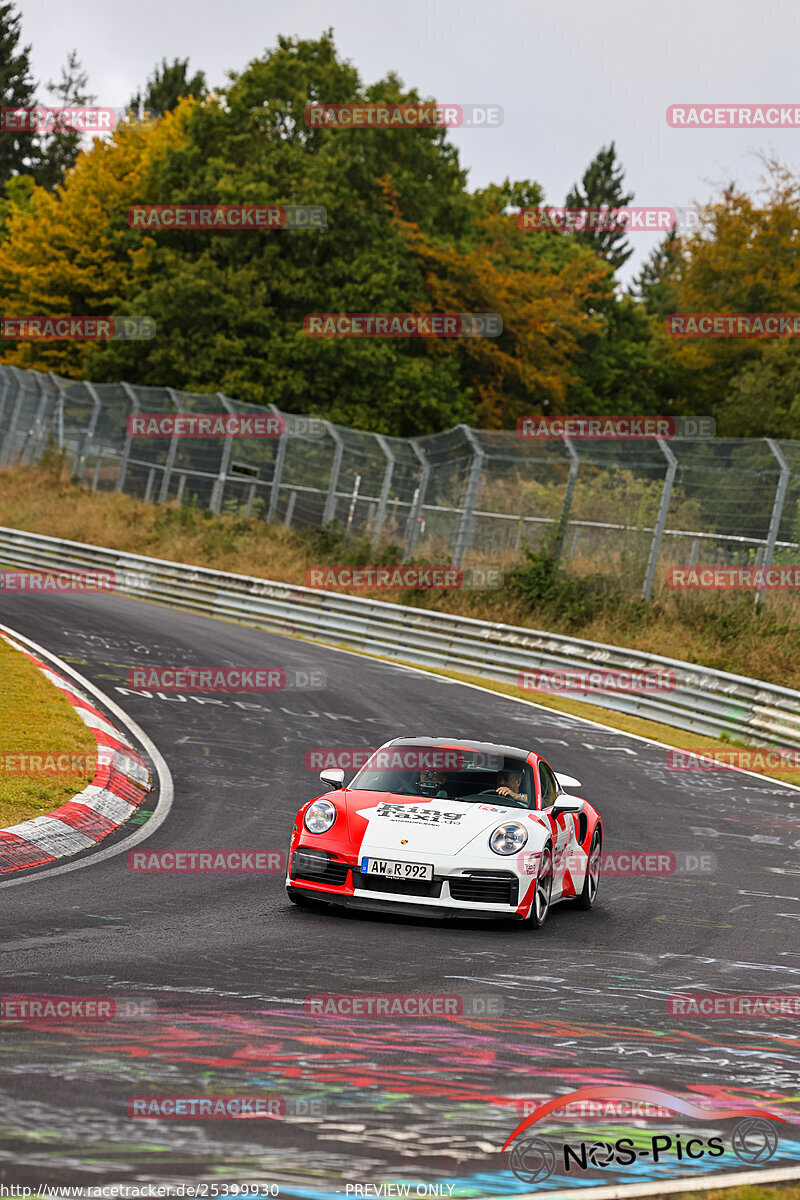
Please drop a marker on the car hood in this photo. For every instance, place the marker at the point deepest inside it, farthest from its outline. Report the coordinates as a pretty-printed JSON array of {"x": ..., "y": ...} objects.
[{"x": 409, "y": 824}]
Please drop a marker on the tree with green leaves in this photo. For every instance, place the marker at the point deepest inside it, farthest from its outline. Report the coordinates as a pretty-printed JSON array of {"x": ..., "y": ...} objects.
[
  {"x": 403, "y": 235},
  {"x": 19, "y": 149},
  {"x": 766, "y": 393},
  {"x": 742, "y": 258},
  {"x": 60, "y": 148},
  {"x": 602, "y": 185},
  {"x": 70, "y": 251},
  {"x": 16, "y": 196},
  {"x": 655, "y": 285},
  {"x": 623, "y": 365},
  {"x": 232, "y": 304},
  {"x": 168, "y": 84}
]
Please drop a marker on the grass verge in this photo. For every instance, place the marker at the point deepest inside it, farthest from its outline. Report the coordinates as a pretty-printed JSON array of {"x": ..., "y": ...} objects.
[{"x": 36, "y": 719}]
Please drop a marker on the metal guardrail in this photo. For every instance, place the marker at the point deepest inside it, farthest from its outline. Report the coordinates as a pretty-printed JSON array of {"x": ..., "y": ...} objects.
[{"x": 704, "y": 701}]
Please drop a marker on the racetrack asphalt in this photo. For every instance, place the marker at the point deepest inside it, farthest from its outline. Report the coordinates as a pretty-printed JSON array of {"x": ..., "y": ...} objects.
[{"x": 230, "y": 962}]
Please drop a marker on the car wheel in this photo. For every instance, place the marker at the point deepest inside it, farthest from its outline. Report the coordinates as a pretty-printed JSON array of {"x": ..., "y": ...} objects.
[
  {"x": 589, "y": 894},
  {"x": 543, "y": 891}
]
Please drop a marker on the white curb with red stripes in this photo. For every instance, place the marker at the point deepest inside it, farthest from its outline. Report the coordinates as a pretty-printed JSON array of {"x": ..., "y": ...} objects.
[{"x": 119, "y": 787}]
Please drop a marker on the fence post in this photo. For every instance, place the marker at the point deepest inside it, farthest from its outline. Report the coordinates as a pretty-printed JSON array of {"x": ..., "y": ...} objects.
[
  {"x": 30, "y": 435},
  {"x": 287, "y": 520},
  {"x": 5, "y": 388},
  {"x": 777, "y": 512},
  {"x": 352, "y": 509},
  {"x": 61, "y": 384},
  {"x": 412, "y": 533},
  {"x": 572, "y": 478},
  {"x": 34, "y": 433},
  {"x": 663, "y": 509},
  {"x": 464, "y": 536},
  {"x": 8, "y": 447},
  {"x": 218, "y": 490},
  {"x": 171, "y": 453},
  {"x": 87, "y": 441},
  {"x": 126, "y": 449},
  {"x": 330, "y": 500},
  {"x": 277, "y": 471},
  {"x": 384, "y": 497},
  {"x": 59, "y": 413}
]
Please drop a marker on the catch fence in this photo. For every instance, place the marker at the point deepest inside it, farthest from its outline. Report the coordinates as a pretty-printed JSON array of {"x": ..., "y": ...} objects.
[{"x": 623, "y": 508}]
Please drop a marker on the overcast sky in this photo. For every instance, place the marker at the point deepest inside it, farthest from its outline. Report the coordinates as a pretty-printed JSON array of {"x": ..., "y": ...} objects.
[{"x": 570, "y": 76}]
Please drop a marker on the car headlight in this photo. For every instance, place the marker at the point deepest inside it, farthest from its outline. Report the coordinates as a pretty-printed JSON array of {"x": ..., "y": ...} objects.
[
  {"x": 319, "y": 816},
  {"x": 508, "y": 838}
]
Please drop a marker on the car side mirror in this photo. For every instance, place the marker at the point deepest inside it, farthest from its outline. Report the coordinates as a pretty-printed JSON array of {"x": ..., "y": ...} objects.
[
  {"x": 567, "y": 804},
  {"x": 566, "y": 781},
  {"x": 334, "y": 778}
]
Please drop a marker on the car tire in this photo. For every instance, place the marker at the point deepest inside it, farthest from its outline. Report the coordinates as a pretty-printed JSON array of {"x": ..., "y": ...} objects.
[
  {"x": 540, "y": 905},
  {"x": 590, "y": 884}
]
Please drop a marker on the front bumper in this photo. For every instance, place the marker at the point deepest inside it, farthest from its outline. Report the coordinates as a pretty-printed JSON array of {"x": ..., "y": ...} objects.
[
  {"x": 476, "y": 891},
  {"x": 434, "y": 912}
]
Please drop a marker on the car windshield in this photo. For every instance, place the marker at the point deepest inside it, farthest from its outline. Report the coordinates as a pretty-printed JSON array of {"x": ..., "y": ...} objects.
[{"x": 448, "y": 773}]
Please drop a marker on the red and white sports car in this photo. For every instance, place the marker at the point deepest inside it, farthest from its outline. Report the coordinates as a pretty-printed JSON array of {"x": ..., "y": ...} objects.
[{"x": 445, "y": 829}]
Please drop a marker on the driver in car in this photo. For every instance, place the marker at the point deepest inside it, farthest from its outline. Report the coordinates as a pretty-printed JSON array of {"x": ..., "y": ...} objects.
[
  {"x": 431, "y": 783},
  {"x": 509, "y": 784}
]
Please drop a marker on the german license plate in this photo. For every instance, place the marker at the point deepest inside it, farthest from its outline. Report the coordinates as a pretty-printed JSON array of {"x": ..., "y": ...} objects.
[{"x": 396, "y": 870}]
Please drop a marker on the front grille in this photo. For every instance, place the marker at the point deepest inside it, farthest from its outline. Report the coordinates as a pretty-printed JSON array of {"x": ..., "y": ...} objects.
[
  {"x": 318, "y": 867},
  {"x": 431, "y": 888},
  {"x": 485, "y": 887}
]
